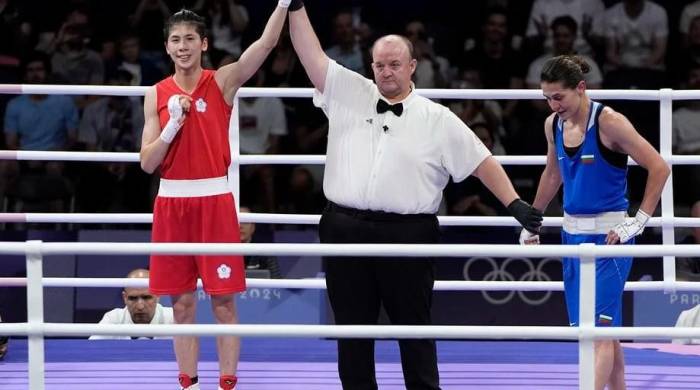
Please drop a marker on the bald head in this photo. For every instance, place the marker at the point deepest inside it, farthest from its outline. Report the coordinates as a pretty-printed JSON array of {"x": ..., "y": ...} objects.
[
  {"x": 393, "y": 42},
  {"x": 138, "y": 273}
]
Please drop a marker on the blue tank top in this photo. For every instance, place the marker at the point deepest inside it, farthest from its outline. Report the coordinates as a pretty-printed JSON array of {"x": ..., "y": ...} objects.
[{"x": 591, "y": 183}]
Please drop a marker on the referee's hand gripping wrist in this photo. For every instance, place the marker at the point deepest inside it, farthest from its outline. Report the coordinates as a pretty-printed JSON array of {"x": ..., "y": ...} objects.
[
  {"x": 529, "y": 217},
  {"x": 176, "y": 109}
]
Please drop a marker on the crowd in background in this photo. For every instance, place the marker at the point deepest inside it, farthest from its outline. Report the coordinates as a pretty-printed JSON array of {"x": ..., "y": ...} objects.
[{"x": 630, "y": 44}]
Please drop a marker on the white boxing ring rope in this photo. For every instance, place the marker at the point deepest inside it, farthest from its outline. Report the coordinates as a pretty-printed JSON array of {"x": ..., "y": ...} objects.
[{"x": 36, "y": 329}]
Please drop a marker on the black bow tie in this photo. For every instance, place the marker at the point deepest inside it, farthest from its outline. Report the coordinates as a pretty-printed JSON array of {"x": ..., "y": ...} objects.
[{"x": 383, "y": 107}]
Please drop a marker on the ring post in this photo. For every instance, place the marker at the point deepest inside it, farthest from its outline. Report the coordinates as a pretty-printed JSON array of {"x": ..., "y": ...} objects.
[
  {"x": 667, "y": 212},
  {"x": 586, "y": 318},
  {"x": 35, "y": 315}
]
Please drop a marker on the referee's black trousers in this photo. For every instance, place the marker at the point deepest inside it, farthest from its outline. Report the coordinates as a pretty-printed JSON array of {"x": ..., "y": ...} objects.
[{"x": 358, "y": 286}]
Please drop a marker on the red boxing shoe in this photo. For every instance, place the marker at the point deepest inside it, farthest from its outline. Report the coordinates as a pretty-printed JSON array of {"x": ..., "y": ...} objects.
[
  {"x": 187, "y": 383},
  {"x": 228, "y": 382}
]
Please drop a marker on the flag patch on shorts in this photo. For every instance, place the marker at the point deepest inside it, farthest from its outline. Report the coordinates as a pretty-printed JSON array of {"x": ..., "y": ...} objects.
[
  {"x": 587, "y": 159},
  {"x": 604, "y": 320}
]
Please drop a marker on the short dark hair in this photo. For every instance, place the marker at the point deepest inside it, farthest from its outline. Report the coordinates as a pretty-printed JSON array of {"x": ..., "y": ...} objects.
[
  {"x": 567, "y": 69},
  {"x": 566, "y": 21},
  {"x": 185, "y": 16},
  {"x": 36, "y": 56}
]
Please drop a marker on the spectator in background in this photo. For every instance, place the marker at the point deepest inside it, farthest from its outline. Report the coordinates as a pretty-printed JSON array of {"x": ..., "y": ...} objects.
[
  {"x": 257, "y": 262},
  {"x": 686, "y": 137},
  {"x": 686, "y": 140},
  {"x": 302, "y": 195},
  {"x": 15, "y": 31},
  {"x": 148, "y": 19},
  {"x": 588, "y": 15},
  {"x": 688, "y": 268},
  {"x": 498, "y": 64},
  {"x": 472, "y": 111},
  {"x": 143, "y": 71},
  {"x": 72, "y": 61},
  {"x": 689, "y": 12},
  {"x": 40, "y": 122},
  {"x": 636, "y": 33},
  {"x": 227, "y": 20},
  {"x": 113, "y": 124},
  {"x": 346, "y": 51},
  {"x": 262, "y": 122},
  {"x": 140, "y": 307},
  {"x": 431, "y": 69},
  {"x": 282, "y": 69},
  {"x": 689, "y": 57},
  {"x": 564, "y": 30}
]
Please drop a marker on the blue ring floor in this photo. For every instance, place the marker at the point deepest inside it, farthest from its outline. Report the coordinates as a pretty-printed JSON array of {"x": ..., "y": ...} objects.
[{"x": 310, "y": 364}]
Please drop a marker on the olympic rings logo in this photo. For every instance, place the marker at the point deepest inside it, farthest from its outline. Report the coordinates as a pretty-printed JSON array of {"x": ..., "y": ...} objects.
[{"x": 506, "y": 272}]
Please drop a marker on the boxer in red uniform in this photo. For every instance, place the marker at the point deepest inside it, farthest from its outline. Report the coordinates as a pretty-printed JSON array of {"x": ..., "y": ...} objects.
[{"x": 186, "y": 135}]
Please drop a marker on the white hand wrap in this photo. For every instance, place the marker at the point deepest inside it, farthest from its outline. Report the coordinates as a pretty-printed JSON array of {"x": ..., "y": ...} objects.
[
  {"x": 284, "y": 3},
  {"x": 176, "y": 120},
  {"x": 631, "y": 227},
  {"x": 527, "y": 238}
]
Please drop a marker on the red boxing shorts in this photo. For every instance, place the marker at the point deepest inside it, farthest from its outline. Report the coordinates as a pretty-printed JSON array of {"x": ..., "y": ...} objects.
[{"x": 182, "y": 216}]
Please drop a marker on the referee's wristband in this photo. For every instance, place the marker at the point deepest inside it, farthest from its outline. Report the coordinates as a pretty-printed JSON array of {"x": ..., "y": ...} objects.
[{"x": 295, "y": 5}]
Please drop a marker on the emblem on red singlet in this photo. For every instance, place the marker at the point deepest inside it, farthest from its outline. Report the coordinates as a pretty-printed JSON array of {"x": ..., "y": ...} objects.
[
  {"x": 201, "y": 105},
  {"x": 224, "y": 271}
]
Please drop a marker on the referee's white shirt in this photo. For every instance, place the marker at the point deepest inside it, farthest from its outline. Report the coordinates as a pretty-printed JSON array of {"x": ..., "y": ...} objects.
[{"x": 382, "y": 162}]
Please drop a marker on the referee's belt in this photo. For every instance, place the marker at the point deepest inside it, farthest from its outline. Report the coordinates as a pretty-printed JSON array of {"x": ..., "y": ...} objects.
[
  {"x": 592, "y": 223},
  {"x": 377, "y": 215},
  {"x": 193, "y": 188}
]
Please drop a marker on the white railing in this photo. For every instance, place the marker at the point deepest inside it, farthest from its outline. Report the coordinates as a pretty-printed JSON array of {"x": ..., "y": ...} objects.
[
  {"x": 586, "y": 333},
  {"x": 667, "y": 220},
  {"x": 294, "y": 219},
  {"x": 320, "y": 284},
  {"x": 664, "y": 96}
]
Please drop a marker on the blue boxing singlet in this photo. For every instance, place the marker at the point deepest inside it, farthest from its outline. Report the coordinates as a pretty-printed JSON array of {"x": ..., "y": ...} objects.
[{"x": 594, "y": 177}]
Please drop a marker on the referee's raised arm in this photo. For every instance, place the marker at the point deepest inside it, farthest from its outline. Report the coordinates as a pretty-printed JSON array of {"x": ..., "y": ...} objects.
[{"x": 307, "y": 46}]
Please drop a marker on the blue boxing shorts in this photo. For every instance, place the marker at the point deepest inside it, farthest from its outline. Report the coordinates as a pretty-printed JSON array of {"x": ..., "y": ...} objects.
[{"x": 611, "y": 275}]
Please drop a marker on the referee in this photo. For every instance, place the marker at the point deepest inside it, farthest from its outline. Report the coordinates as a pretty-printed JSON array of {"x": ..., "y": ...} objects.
[{"x": 390, "y": 154}]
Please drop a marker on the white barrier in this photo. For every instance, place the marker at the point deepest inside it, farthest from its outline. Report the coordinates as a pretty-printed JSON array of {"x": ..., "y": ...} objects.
[
  {"x": 320, "y": 284},
  {"x": 298, "y": 219},
  {"x": 585, "y": 333}
]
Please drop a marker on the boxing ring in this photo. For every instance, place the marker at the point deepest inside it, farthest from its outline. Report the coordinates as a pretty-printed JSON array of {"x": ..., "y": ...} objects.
[{"x": 271, "y": 356}]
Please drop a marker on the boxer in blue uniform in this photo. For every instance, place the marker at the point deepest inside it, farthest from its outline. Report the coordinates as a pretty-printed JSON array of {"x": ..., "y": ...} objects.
[{"x": 587, "y": 151}]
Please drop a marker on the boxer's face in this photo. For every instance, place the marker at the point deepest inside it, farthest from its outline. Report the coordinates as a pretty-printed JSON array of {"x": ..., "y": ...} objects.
[
  {"x": 562, "y": 100},
  {"x": 185, "y": 46}
]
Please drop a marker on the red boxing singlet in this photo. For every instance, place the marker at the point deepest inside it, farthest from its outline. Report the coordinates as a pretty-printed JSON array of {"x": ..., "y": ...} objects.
[{"x": 200, "y": 150}]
